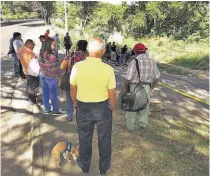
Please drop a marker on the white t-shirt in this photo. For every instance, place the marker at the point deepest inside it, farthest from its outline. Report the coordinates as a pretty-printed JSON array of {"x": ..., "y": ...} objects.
[{"x": 17, "y": 44}]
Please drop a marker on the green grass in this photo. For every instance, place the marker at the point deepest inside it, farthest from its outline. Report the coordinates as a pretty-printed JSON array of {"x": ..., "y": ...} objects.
[
  {"x": 164, "y": 148},
  {"x": 192, "y": 55}
]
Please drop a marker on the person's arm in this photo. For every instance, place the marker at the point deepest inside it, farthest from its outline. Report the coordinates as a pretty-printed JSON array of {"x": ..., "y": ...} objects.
[
  {"x": 112, "y": 99},
  {"x": 129, "y": 75},
  {"x": 125, "y": 87},
  {"x": 112, "y": 91},
  {"x": 155, "y": 77},
  {"x": 73, "y": 86},
  {"x": 73, "y": 93}
]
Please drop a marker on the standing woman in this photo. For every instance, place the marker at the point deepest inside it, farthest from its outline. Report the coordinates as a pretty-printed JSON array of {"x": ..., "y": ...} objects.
[
  {"x": 67, "y": 43},
  {"x": 49, "y": 76},
  {"x": 78, "y": 56}
]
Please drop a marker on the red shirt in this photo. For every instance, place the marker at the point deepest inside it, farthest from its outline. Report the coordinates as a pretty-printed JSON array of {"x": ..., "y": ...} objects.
[{"x": 46, "y": 35}]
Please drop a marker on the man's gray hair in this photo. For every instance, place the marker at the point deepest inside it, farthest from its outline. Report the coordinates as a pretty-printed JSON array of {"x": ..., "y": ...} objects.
[{"x": 94, "y": 45}]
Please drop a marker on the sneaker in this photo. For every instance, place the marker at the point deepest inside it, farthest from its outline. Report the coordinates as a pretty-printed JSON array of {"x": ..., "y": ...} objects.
[
  {"x": 48, "y": 112},
  {"x": 57, "y": 113},
  {"x": 102, "y": 173},
  {"x": 69, "y": 119}
]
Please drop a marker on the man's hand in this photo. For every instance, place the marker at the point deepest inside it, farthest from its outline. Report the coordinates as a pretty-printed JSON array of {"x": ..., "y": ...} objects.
[{"x": 112, "y": 99}]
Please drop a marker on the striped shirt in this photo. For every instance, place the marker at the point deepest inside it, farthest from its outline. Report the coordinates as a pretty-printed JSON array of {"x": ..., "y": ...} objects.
[{"x": 147, "y": 68}]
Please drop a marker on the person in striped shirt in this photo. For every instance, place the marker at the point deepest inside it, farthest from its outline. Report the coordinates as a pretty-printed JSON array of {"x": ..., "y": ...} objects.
[{"x": 149, "y": 76}]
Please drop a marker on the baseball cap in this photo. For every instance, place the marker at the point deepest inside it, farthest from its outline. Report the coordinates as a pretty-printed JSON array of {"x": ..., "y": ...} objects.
[{"x": 139, "y": 47}]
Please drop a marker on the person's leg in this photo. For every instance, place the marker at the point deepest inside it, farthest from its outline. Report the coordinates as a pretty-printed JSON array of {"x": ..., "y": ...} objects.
[
  {"x": 45, "y": 93},
  {"x": 104, "y": 130},
  {"x": 69, "y": 106},
  {"x": 53, "y": 90},
  {"x": 145, "y": 113},
  {"x": 123, "y": 59},
  {"x": 21, "y": 71},
  {"x": 112, "y": 56},
  {"x": 115, "y": 57},
  {"x": 16, "y": 64},
  {"x": 32, "y": 87},
  {"x": 85, "y": 131},
  {"x": 130, "y": 119}
]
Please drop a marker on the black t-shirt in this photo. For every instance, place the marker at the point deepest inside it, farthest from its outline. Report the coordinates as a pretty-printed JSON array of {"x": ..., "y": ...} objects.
[
  {"x": 123, "y": 50},
  {"x": 113, "y": 48},
  {"x": 67, "y": 41}
]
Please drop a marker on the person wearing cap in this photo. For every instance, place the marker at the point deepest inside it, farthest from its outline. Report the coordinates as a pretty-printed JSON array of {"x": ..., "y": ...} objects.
[
  {"x": 93, "y": 92},
  {"x": 57, "y": 41},
  {"x": 149, "y": 76},
  {"x": 67, "y": 43}
]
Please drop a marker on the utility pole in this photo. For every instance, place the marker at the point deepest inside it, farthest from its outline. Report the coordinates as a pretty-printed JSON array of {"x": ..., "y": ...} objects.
[{"x": 66, "y": 26}]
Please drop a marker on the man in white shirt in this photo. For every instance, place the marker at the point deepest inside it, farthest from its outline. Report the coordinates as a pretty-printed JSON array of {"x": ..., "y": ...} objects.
[{"x": 17, "y": 43}]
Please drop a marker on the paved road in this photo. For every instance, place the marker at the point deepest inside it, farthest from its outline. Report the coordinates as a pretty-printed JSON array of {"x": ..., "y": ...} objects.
[
  {"x": 15, "y": 115},
  {"x": 16, "y": 118}
]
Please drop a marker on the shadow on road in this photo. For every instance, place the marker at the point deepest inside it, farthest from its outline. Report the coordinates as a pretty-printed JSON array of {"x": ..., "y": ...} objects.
[
  {"x": 33, "y": 25},
  {"x": 3, "y": 24}
]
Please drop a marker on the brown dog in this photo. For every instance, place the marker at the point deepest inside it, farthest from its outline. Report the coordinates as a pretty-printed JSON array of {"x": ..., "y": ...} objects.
[{"x": 64, "y": 149}]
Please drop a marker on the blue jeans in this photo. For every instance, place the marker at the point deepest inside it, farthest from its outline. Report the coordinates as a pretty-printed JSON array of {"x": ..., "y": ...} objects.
[
  {"x": 69, "y": 105},
  {"x": 49, "y": 91},
  {"x": 16, "y": 63},
  {"x": 122, "y": 58}
]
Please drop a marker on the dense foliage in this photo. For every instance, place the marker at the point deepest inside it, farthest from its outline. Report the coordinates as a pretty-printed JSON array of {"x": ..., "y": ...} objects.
[
  {"x": 181, "y": 20},
  {"x": 12, "y": 10}
]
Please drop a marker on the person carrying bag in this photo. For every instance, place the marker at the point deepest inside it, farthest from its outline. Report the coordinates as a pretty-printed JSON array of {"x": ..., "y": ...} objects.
[
  {"x": 78, "y": 56},
  {"x": 141, "y": 77},
  {"x": 64, "y": 84},
  {"x": 136, "y": 99}
]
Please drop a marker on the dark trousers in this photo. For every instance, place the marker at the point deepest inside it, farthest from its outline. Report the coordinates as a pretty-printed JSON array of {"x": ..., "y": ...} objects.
[
  {"x": 32, "y": 87},
  {"x": 89, "y": 114}
]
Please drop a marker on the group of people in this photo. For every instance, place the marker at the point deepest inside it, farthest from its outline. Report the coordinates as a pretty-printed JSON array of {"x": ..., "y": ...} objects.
[
  {"x": 92, "y": 90},
  {"x": 116, "y": 55},
  {"x": 67, "y": 41}
]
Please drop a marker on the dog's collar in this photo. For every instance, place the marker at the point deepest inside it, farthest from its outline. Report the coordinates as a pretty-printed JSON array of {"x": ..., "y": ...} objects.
[{"x": 68, "y": 147}]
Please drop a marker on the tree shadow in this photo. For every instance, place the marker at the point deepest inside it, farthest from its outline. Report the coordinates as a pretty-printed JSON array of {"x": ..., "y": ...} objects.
[
  {"x": 33, "y": 25},
  {"x": 3, "y": 24}
]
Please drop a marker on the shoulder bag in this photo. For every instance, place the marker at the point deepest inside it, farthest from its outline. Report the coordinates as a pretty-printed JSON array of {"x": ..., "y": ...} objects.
[{"x": 136, "y": 99}]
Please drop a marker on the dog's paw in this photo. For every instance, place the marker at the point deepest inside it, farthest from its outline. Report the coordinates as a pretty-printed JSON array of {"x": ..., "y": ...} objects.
[{"x": 69, "y": 161}]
